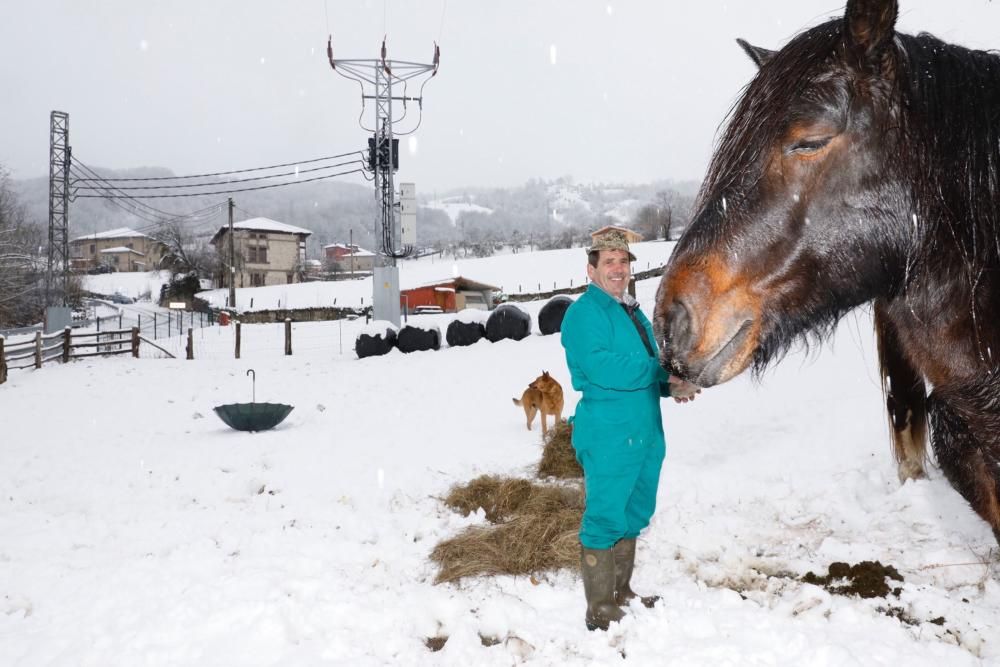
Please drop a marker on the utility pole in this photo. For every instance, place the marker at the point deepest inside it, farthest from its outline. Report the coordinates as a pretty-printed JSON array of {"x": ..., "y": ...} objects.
[
  {"x": 232, "y": 258},
  {"x": 350, "y": 249},
  {"x": 383, "y": 159}
]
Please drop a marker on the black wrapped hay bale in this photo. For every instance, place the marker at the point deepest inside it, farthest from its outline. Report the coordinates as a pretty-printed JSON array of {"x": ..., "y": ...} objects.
[
  {"x": 550, "y": 317},
  {"x": 460, "y": 334},
  {"x": 417, "y": 339},
  {"x": 376, "y": 339},
  {"x": 508, "y": 321}
]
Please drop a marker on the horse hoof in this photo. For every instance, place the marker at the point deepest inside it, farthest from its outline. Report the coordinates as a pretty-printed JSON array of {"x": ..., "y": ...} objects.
[{"x": 912, "y": 471}]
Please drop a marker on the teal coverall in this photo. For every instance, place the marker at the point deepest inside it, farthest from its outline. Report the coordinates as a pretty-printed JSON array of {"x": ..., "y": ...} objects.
[{"x": 617, "y": 428}]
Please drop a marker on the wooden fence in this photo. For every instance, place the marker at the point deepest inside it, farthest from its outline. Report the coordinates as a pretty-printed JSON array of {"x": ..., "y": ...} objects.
[{"x": 66, "y": 345}]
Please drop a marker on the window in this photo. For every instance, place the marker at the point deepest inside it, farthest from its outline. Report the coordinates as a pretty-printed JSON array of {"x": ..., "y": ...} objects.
[
  {"x": 257, "y": 280},
  {"x": 252, "y": 254},
  {"x": 262, "y": 255},
  {"x": 93, "y": 248}
]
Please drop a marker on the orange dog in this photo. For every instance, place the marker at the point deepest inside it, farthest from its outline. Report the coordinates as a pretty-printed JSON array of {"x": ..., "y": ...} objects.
[{"x": 545, "y": 395}]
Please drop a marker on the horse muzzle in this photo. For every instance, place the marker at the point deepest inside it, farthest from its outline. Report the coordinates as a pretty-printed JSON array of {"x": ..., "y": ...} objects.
[{"x": 708, "y": 322}]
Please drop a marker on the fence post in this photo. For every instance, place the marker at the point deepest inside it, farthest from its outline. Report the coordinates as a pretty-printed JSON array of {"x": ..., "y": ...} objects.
[
  {"x": 190, "y": 345},
  {"x": 119, "y": 320},
  {"x": 288, "y": 337},
  {"x": 135, "y": 342},
  {"x": 154, "y": 326},
  {"x": 237, "y": 340},
  {"x": 67, "y": 339},
  {"x": 3, "y": 363},
  {"x": 38, "y": 349}
]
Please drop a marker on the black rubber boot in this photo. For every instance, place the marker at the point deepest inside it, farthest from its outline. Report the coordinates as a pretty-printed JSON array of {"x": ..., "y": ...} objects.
[
  {"x": 624, "y": 552},
  {"x": 598, "y": 569}
]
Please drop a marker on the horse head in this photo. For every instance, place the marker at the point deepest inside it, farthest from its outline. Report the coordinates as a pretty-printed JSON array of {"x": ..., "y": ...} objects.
[{"x": 800, "y": 217}]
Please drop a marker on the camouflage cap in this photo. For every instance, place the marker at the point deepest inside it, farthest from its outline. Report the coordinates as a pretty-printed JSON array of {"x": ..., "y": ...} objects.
[{"x": 612, "y": 240}]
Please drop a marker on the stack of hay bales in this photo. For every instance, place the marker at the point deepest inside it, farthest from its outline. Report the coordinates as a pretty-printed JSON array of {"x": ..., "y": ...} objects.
[
  {"x": 551, "y": 315},
  {"x": 376, "y": 339},
  {"x": 467, "y": 328},
  {"x": 413, "y": 338},
  {"x": 508, "y": 321}
]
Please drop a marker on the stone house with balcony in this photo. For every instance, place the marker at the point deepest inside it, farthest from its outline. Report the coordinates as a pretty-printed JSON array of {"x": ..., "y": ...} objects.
[{"x": 267, "y": 252}]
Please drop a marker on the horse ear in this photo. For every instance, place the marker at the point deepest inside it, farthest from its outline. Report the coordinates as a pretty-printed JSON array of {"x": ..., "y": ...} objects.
[
  {"x": 759, "y": 56},
  {"x": 869, "y": 26}
]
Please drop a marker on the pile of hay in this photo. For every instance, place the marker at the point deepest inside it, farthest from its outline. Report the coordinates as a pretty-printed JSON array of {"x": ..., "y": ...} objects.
[
  {"x": 535, "y": 526},
  {"x": 558, "y": 455},
  {"x": 535, "y": 529}
]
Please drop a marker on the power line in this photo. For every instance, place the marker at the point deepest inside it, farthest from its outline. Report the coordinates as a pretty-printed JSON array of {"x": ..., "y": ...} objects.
[
  {"x": 227, "y": 173},
  {"x": 112, "y": 189},
  {"x": 218, "y": 183},
  {"x": 156, "y": 218},
  {"x": 226, "y": 192}
]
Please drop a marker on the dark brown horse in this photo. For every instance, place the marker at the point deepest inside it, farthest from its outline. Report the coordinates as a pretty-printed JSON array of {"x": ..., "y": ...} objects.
[{"x": 860, "y": 165}]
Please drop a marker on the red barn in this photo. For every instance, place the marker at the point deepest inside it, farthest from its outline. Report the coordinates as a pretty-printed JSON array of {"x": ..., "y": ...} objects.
[{"x": 451, "y": 295}]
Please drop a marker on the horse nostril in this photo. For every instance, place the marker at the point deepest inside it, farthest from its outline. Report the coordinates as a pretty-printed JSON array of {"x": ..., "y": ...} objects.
[{"x": 679, "y": 326}]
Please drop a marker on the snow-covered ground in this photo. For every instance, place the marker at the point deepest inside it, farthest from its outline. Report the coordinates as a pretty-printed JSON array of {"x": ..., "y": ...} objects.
[
  {"x": 134, "y": 284},
  {"x": 137, "y": 529}
]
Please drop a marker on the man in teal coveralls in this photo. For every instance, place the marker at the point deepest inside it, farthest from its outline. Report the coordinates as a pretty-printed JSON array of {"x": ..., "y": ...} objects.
[{"x": 617, "y": 428}]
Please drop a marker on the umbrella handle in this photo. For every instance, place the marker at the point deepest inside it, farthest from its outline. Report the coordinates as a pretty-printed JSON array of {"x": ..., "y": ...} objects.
[{"x": 253, "y": 374}]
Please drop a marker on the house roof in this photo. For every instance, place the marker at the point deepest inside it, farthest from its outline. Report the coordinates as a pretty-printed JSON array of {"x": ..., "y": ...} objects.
[
  {"x": 118, "y": 249},
  {"x": 262, "y": 225},
  {"x": 358, "y": 252},
  {"x": 118, "y": 233},
  {"x": 458, "y": 283}
]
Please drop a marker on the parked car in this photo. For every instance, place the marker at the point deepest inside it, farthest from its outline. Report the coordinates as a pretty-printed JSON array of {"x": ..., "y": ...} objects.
[
  {"x": 102, "y": 268},
  {"x": 121, "y": 298}
]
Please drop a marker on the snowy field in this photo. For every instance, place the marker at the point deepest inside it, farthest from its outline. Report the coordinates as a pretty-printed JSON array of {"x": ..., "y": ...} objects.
[{"x": 139, "y": 530}]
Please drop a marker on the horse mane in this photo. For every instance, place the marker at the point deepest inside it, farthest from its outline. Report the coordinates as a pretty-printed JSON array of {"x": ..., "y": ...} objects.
[{"x": 951, "y": 131}]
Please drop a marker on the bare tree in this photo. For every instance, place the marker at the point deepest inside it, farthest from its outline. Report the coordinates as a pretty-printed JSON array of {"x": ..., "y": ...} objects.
[
  {"x": 665, "y": 202},
  {"x": 21, "y": 264},
  {"x": 186, "y": 253},
  {"x": 653, "y": 222}
]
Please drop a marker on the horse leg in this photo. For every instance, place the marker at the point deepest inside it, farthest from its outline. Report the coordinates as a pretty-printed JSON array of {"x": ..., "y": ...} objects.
[
  {"x": 905, "y": 399},
  {"x": 970, "y": 463}
]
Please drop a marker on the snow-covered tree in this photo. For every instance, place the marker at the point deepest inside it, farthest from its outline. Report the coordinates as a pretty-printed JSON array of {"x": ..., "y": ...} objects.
[{"x": 21, "y": 264}]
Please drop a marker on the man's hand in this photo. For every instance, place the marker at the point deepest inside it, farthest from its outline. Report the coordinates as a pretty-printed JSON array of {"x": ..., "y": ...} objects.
[{"x": 683, "y": 391}]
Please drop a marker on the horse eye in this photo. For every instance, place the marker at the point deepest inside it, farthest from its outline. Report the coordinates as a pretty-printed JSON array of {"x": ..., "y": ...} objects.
[{"x": 809, "y": 146}]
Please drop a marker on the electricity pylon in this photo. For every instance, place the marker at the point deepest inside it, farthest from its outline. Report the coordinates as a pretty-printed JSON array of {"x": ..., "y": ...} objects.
[
  {"x": 380, "y": 75},
  {"x": 57, "y": 267}
]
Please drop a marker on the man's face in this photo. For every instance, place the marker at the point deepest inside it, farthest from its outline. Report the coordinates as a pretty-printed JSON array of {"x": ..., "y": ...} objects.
[{"x": 612, "y": 272}]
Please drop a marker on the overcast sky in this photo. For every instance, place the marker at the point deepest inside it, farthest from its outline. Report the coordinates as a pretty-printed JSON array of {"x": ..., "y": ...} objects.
[{"x": 629, "y": 91}]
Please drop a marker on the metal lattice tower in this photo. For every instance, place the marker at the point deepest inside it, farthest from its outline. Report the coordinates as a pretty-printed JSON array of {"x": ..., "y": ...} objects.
[
  {"x": 60, "y": 156},
  {"x": 381, "y": 74}
]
